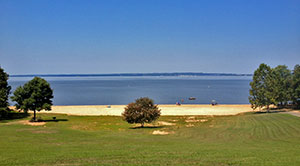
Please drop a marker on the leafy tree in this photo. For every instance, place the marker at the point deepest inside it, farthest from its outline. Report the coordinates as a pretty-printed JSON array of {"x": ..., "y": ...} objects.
[
  {"x": 35, "y": 95},
  {"x": 279, "y": 80},
  {"x": 141, "y": 111},
  {"x": 260, "y": 88},
  {"x": 4, "y": 92},
  {"x": 296, "y": 85}
]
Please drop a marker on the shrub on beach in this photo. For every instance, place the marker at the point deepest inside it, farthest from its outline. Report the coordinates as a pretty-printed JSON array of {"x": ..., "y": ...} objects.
[{"x": 141, "y": 111}]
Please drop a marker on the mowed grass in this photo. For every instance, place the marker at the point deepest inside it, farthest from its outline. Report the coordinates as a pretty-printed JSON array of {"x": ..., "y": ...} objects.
[{"x": 247, "y": 139}]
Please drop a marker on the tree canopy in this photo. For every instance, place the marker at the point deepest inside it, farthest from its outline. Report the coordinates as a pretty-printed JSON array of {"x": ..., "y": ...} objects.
[
  {"x": 4, "y": 91},
  {"x": 279, "y": 81},
  {"x": 277, "y": 86},
  {"x": 35, "y": 95},
  {"x": 141, "y": 111},
  {"x": 296, "y": 85},
  {"x": 259, "y": 96}
]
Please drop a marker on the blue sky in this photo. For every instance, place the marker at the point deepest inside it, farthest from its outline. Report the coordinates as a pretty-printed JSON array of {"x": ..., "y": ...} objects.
[{"x": 118, "y": 36}]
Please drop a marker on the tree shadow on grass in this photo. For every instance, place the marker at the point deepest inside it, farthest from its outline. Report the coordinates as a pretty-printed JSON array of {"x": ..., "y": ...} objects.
[
  {"x": 147, "y": 127},
  {"x": 54, "y": 120},
  {"x": 12, "y": 116},
  {"x": 270, "y": 112}
]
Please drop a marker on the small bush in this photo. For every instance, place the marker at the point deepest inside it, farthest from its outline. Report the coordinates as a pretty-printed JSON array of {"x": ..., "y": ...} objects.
[{"x": 141, "y": 111}]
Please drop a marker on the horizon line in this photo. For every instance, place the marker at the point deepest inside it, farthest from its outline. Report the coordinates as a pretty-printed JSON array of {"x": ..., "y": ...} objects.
[{"x": 132, "y": 74}]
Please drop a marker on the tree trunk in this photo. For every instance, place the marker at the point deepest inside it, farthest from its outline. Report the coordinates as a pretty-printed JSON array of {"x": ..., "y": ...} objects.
[
  {"x": 268, "y": 108},
  {"x": 142, "y": 125},
  {"x": 34, "y": 115},
  {"x": 281, "y": 105}
]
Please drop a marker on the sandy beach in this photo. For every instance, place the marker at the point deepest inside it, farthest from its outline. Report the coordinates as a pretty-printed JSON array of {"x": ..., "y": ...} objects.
[{"x": 116, "y": 110}]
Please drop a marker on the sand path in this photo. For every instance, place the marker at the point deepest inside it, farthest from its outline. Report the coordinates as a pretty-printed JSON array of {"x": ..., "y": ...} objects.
[
  {"x": 116, "y": 110},
  {"x": 295, "y": 113}
]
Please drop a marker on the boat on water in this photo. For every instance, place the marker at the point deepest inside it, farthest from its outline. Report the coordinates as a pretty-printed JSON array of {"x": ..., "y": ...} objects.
[{"x": 192, "y": 98}]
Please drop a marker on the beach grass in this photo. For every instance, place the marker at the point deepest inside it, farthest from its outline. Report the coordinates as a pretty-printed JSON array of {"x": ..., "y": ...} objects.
[{"x": 246, "y": 139}]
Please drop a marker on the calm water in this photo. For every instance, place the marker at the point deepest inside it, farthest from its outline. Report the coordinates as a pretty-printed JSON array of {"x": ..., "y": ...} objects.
[{"x": 164, "y": 90}]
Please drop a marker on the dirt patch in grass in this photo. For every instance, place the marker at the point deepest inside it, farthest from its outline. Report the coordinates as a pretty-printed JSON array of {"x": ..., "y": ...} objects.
[
  {"x": 81, "y": 127},
  {"x": 157, "y": 124},
  {"x": 189, "y": 125},
  {"x": 190, "y": 117},
  {"x": 159, "y": 132},
  {"x": 44, "y": 132},
  {"x": 166, "y": 123},
  {"x": 26, "y": 122},
  {"x": 193, "y": 120}
]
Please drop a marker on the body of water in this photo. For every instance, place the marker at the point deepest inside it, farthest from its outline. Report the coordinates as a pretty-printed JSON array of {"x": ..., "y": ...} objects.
[{"x": 164, "y": 90}]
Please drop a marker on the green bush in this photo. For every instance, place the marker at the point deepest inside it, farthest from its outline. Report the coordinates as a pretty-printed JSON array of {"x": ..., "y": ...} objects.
[{"x": 141, "y": 111}]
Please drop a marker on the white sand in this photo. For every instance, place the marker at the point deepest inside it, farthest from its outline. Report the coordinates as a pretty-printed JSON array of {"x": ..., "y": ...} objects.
[{"x": 117, "y": 110}]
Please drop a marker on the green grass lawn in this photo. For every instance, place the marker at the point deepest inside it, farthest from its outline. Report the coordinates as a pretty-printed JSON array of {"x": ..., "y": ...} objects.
[{"x": 248, "y": 139}]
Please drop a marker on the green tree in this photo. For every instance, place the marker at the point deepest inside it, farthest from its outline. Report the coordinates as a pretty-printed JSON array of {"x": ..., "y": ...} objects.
[
  {"x": 4, "y": 92},
  {"x": 141, "y": 111},
  {"x": 259, "y": 92},
  {"x": 279, "y": 81},
  {"x": 296, "y": 85},
  {"x": 35, "y": 95}
]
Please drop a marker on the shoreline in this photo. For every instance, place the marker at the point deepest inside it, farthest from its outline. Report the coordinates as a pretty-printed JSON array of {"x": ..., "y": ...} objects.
[{"x": 166, "y": 109}]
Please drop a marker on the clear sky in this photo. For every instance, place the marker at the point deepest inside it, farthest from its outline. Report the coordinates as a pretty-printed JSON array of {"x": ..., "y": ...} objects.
[{"x": 118, "y": 36}]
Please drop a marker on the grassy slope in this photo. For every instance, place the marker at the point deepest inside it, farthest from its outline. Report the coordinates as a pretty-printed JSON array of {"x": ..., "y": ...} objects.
[{"x": 250, "y": 139}]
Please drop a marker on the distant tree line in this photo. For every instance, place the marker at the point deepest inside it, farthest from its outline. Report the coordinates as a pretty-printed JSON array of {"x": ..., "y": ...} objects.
[{"x": 277, "y": 86}]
